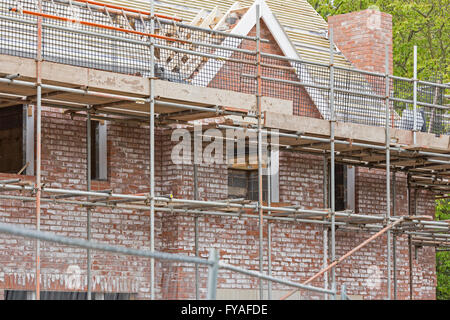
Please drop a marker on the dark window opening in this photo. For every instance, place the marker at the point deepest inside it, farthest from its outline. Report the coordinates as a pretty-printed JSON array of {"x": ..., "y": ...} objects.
[
  {"x": 340, "y": 186},
  {"x": 12, "y": 155},
  {"x": 344, "y": 187},
  {"x": 247, "y": 149},
  {"x": 244, "y": 184},
  {"x": 245, "y": 155},
  {"x": 65, "y": 295},
  {"x": 95, "y": 150}
]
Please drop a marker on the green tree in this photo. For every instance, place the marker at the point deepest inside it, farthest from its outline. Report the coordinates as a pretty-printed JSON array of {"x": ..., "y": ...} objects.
[
  {"x": 443, "y": 258},
  {"x": 425, "y": 23}
]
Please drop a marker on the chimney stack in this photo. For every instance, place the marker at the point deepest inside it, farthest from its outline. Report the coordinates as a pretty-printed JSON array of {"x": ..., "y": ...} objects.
[{"x": 362, "y": 37}]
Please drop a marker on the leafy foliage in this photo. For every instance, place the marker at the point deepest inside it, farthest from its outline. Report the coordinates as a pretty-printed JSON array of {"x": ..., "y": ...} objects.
[
  {"x": 443, "y": 258},
  {"x": 424, "y": 23}
]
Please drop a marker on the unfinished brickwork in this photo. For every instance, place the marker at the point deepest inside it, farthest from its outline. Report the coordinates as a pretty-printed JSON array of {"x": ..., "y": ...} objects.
[
  {"x": 302, "y": 103},
  {"x": 297, "y": 248},
  {"x": 362, "y": 37}
]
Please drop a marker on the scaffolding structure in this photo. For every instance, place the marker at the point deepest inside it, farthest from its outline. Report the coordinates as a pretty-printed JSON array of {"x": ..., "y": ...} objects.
[{"x": 425, "y": 169}]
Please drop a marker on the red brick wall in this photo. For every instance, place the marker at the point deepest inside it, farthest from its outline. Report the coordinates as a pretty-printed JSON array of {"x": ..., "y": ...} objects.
[
  {"x": 362, "y": 39},
  {"x": 297, "y": 248},
  {"x": 230, "y": 75},
  {"x": 64, "y": 166},
  {"x": 371, "y": 198}
]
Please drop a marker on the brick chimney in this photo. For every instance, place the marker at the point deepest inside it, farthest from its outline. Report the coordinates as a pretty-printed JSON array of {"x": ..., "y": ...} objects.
[{"x": 362, "y": 36}]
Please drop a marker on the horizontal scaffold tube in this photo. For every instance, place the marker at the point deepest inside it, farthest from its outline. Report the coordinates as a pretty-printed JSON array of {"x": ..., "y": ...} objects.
[
  {"x": 167, "y": 209},
  {"x": 273, "y": 279},
  {"x": 140, "y": 42},
  {"x": 357, "y": 144},
  {"x": 81, "y": 243},
  {"x": 221, "y": 204},
  {"x": 212, "y": 56},
  {"x": 162, "y": 18},
  {"x": 444, "y": 86},
  {"x": 341, "y": 225},
  {"x": 119, "y": 97}
]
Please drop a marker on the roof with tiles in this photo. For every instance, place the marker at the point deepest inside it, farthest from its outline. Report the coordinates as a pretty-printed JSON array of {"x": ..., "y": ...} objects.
[
  {"x": 300, "y": 30},
  {"x": 304, "y": 26}
]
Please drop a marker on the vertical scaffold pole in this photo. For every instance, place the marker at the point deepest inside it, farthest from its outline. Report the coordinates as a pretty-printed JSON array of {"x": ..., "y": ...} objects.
[
  {"x": 38, "y": 147},
  {"x": 325, "y": 228},
  {"x": 88, "y": 182},
  {"x": 388, "y": 172},
  {"x": 152, "y": 149},
  {"x": 394, "y": 253},
  {"x": 415, "y": 96},
  {"x": 409, "y": 238},
  {"x": 332, "y": 164},
  {"x": 394, "y": 238},
  {"x": 410, "y": 267},
  {"x": 269, "y": 225},
  {"x": 260, "y": 179},
  {"x": 213, "y": 274},
  {"x": 197, "y": 276},
  {"x": 408, "y": 192}
]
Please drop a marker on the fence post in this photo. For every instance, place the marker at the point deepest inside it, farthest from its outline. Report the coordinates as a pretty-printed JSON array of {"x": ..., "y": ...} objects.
[{"x": 213, "y": 271}]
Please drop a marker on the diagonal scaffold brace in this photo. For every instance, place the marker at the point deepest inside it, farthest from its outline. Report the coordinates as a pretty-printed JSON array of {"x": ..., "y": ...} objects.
[{"x": 348, "y": 254}]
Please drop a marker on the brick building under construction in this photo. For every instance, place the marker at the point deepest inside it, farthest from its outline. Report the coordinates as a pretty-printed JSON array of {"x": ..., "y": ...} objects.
[{"x": 95, "y": 96}]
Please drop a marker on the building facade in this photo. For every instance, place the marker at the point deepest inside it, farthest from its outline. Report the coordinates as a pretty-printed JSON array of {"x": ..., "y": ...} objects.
[{"x": 121, "y": 163}]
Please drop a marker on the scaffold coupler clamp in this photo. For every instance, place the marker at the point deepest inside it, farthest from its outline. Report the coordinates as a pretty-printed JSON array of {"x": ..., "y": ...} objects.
[
  {"x": 36, "y": 188},
  {"x": 295, "y": 216},
  {"x": 330, "y": 214}
]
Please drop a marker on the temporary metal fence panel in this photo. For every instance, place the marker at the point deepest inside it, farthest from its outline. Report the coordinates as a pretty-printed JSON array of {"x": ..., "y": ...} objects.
[
  {"x": 432, "y": 107},
  {"x": 92, "y": 51},
  {"x": 236, "y": 287},
  {"x": 196, "y": 56},
  {"x": 118, "y": 271},
  {"x": 298, "y": 82},
  {"x": 18, "y": 38},
  {"x": 359, "y": 98},
  {"x": 74, "y": 35}
]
